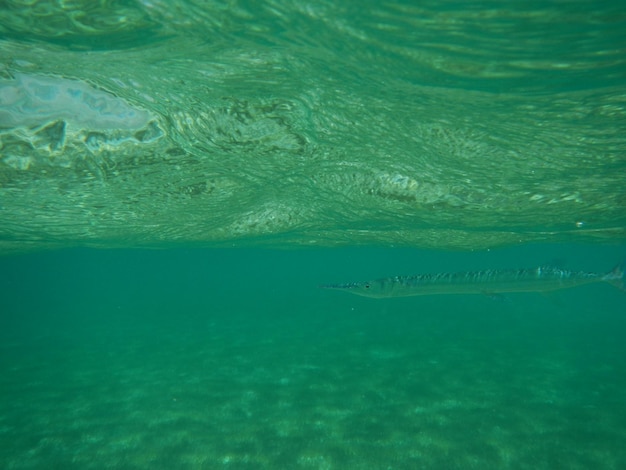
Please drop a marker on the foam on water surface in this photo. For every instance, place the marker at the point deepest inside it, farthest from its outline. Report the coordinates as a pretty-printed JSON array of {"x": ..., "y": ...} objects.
[
  {"x": 49, "y": 121},
  {"x": 31, "y": 100}
]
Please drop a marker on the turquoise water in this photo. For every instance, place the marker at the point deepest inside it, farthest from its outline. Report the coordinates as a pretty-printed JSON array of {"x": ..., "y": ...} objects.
[
  {"x": 177, "y": 178},
  {"x": 440, "y": 125},
  {"x": 235, "y": 359}
]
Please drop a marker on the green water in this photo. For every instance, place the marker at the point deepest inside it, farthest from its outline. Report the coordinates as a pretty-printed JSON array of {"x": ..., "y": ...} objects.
[
  {"x": 235, "y": 359},
  {"x": 442, "y": 125},
  {"x": 178, "y": 177}
]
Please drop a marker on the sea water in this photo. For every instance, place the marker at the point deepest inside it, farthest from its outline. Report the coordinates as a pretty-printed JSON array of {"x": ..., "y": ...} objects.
[{"x": 178, "y": 178}]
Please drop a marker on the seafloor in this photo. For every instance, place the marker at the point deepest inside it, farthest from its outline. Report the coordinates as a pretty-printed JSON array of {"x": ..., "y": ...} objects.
[{"x": 109, "y": 373}]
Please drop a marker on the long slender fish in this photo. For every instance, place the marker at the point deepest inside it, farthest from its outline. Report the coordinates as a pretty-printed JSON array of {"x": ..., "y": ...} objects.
[{"x": 493, "y": 281}]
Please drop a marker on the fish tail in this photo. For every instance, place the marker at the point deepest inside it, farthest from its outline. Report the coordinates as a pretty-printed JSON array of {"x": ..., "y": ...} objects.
[{"x": 616, "y": 276}]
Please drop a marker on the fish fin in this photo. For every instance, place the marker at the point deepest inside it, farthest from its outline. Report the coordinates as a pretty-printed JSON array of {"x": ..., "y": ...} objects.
[{"x": 615, "y": 277}]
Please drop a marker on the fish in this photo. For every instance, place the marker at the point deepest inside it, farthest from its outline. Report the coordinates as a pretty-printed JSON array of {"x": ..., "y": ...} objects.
[{"x": 488, "y": 282}]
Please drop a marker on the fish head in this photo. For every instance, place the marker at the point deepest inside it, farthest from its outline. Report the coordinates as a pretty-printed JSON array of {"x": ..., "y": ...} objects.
[{"x": 366, "y": 288}]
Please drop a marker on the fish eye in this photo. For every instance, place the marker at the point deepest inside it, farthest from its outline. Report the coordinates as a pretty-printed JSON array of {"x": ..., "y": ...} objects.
[{"x": 367, "y": 286}]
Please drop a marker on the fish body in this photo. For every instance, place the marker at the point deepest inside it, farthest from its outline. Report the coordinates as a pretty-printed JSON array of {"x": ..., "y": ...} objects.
[{"x": 490, "y": 282}]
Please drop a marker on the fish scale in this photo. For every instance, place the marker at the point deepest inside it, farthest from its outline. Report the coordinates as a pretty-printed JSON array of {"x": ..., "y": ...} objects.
[{"x": 492, "y": 281}]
